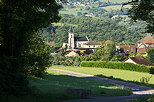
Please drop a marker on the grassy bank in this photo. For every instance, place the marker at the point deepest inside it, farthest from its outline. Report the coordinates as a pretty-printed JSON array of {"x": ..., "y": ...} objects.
[
  {"x": 116, "y": 73},
  {"x": 53, "y": 87}
]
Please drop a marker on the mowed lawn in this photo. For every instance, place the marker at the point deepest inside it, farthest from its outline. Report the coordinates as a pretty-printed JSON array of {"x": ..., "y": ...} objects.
[{"x": 116, "y": 73}]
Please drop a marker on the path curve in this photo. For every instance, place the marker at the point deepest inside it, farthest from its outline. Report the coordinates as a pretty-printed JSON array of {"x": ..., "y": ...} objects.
[{"x": 137, "y": 90}]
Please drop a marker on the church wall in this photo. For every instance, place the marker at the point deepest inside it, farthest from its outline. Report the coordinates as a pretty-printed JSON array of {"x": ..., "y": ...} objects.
[
  {"x": 80, "y": 44},
  {"x": 91, "y": 46}
]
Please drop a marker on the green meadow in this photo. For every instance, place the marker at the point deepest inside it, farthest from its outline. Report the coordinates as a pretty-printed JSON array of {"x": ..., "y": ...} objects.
[
  {"x": 52, "y": 87},
  {"x": 115, "y": 73}
]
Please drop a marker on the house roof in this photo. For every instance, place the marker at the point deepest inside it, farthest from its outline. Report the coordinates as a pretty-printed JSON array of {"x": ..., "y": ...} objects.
[
  {"x": 92, "y": 43},
  {"x": 81, "y": 39},
  {"x": 51, "y": 43},
  {"x": 147, "y": 39},
  {"x": 141, "y": 60},
  {"x": 150, "y": 41},
  {"x": 128, "y": 48}
]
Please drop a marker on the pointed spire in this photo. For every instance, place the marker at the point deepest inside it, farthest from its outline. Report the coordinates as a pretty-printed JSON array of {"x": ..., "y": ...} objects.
[{"x": 71, "y": 29}]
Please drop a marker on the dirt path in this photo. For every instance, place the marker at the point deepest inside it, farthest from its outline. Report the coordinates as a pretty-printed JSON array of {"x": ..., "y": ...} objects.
[{"x": 137, "y": 90}]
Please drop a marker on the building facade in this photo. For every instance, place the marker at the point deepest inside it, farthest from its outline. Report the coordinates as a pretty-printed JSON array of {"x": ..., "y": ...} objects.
[{"x": 79, "y": 42}]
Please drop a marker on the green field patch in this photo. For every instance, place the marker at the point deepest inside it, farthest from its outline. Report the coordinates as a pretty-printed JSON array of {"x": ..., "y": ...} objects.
[
  {"x": 72, "y": 11},
  {"x": 115, "y": 1},
  {"x": 116, "y": 73},
  {"x": 62, "y": 24},
  {"x": 115, "y": 7}
]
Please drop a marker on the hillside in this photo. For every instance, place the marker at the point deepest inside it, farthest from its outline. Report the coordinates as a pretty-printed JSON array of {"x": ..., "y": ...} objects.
[{"x": 100, "y": 20}]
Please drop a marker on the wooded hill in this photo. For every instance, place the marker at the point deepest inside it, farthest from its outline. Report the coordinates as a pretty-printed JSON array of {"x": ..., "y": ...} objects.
[{"x": 98, "y": 29}]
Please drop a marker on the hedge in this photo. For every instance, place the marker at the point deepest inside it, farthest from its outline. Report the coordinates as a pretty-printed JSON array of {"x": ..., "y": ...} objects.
[{"x": 119, "y": 65}]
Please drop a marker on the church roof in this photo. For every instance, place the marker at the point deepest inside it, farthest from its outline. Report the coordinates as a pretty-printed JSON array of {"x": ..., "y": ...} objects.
[
  {"x": 92, "y": 43},
  {"x": 71, "y": 29},
  {"x": 80, "y": 38}
]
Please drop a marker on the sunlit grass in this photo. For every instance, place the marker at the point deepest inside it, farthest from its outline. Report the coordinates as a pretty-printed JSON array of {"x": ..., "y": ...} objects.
[
  {"x": 116, "y": 73},
  {"x": 52, "y": 87},
  {"x": 62, "y": 24}
]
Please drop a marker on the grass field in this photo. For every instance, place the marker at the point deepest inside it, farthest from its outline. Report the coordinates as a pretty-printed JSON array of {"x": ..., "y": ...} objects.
[
  {"x": 115, "y": 1},
  {"x": 53, "y": 87},
  {"x": 115, "y": 7},
  {"x": 72, "y": 11},
  {"x": 62, "y": 24},
  {"x": 116, "y": 73}
]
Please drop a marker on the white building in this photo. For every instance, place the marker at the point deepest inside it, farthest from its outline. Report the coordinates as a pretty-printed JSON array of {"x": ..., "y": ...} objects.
[{"x": 79, "y": 42}]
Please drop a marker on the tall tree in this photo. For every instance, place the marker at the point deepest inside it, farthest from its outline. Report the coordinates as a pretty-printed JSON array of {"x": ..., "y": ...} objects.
[
  {"x": 143, "y": 10},
  {"x": 20, "y": 19},
  {"x": 151, "y": 54}
]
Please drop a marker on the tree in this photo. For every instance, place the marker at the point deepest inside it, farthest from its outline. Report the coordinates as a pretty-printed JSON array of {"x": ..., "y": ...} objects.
[
  {"x": 143, "y": 10},
  {"x": 150, "y": 55},
  {"x": 109, "y": 51},
  {"x": 20, "y": 19},
  {"x": 37, "y": 57}
]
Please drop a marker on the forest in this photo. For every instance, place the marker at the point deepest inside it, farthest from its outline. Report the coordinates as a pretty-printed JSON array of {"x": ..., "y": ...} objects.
[
  {"x": 98, "y": 29},
  {"x": 96, "y": 22}
]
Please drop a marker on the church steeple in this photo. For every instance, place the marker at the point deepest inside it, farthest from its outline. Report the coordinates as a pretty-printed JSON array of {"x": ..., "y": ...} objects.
[
  {"x": 71, "y": 29},
  {"x": 71, "y": 44}
]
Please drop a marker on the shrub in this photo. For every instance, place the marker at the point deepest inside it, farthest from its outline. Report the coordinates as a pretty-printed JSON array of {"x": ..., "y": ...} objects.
[{"x": 118, "y": 65}]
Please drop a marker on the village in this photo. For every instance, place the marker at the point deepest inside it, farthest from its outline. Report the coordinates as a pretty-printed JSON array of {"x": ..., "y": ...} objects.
[
  {"x": 77, "y": 51},
  {"x": 136, "y": 52}
]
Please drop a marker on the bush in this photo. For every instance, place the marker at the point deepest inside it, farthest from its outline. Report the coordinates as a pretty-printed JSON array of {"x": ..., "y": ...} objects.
[{"x": 118, "y": 65}]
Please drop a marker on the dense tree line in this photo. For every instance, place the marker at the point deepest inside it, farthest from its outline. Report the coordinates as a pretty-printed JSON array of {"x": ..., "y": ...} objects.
[{"x": 98, "y": 29}]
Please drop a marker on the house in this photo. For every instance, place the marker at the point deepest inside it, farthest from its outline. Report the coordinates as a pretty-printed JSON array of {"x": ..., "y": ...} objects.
[
  {"x": 72, "y": 53},
  {"x": 52, "y": 43},
  {"x": 128, "y": 48},
  {"x": 79, "y": 42},
  {"x": 140, "y": 46},
  {"x": 139, "y": 60},
  {"x": 144, "y": 44}
]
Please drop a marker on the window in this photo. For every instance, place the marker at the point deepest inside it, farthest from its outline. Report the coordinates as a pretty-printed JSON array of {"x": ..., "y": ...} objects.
[
  {"x": 89, "y": 46},
  {"x": 94, "y": 46}
]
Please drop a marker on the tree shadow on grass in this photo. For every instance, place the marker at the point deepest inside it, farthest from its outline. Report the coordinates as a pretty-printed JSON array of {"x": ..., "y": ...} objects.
[
  {"x": 55, "y": 86},
  {"x": 52, "y": 88}
]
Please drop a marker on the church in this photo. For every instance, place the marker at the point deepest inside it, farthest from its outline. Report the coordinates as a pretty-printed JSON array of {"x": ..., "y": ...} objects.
[{"x": 79, "y": 42}]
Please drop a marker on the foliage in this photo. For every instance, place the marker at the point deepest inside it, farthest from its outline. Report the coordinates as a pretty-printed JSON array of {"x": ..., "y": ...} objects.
[
  {"x": 119, "y": 57},
  {"x": 90, "y": 57},
  {"x": 12, "y": 80},
  {"x": 92, "y": 27},
  {"x": 117, "y": 65},
  {"x": 37, "y": 57},
  {"x": 144, "y": 10},
  {"x": 150, "y": 55},
  {"x": 151, "y": 99},
  {"x": 60, "y": 59},
  {"x": 20, "y": 19},
  {"x": 76, "y": 62}
]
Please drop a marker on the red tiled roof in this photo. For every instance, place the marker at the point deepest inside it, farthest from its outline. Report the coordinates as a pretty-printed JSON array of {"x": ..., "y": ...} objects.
[
  {"x": 150, "y": 41},
  {"x": 141, "y": 60},
  {"x": 51, "y": 43},
  {"x": 147, "y": 39}
]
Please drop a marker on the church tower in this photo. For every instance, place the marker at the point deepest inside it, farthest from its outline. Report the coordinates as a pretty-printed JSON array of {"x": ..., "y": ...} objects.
[{"x": 71, "y": 44}]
